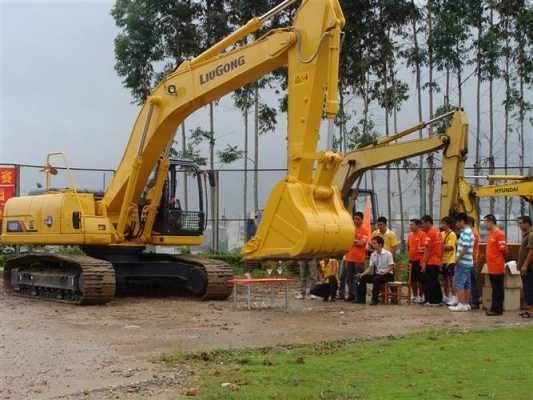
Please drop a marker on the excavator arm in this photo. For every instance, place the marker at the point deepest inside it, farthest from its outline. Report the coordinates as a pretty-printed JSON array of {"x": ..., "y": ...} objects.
[{"x": 453, "y": 142}]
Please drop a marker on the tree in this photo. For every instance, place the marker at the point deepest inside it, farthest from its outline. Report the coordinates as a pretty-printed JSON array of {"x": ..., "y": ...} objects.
[
  {"x": 490, "y": 46},
  {"x": 241, "y": 11},
  {"x": 523, "y": 55},
  {"x": 475, "y": 17},
  {"x": 242, "y": 99},
  {"x": 415, "y": 57},
  {"x": 154, "y": 39},
  {"x": 392, "y": 16},
  {"x": 432, "y": 86},
  {"x": 450, "y": 38}
]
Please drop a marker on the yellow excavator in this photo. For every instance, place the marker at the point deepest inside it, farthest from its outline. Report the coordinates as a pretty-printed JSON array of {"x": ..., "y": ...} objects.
[
  {"x": 304, "y": 216},
  {"x": 453, "y": 142},
  {"x": 457, "y": 193},
  {"x": 516, "y": 185}
]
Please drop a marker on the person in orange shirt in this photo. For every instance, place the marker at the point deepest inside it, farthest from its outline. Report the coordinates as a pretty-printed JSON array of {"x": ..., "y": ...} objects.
[
  {"x": 415, "y": 242},
  {"x": 496, "y": 249},
  {"x": 432, "y": 261},
  {"x": 354, "y": 260}
]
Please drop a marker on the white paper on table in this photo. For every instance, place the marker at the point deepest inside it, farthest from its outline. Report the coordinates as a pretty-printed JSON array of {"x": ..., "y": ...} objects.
[{"x": 512, "y": 267}]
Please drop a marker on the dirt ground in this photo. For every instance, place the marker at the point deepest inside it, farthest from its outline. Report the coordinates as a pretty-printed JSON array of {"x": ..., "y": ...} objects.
[{"x": 57, "y": 351}]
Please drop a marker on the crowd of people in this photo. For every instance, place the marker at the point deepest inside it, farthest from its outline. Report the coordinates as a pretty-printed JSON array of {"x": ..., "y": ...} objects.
[{"x": 443, "y": 264}]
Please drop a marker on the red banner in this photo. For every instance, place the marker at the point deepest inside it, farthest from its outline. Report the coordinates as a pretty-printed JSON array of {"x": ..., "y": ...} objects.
[{"x": 8, "y": 186}]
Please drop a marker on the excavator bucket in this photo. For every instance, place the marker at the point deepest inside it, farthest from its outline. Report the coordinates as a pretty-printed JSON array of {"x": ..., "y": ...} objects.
[{"x": 301, "y": 221}]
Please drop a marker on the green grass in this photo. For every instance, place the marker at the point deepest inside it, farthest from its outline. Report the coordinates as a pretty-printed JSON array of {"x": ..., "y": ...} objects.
[{"x": 489, "y": 364}]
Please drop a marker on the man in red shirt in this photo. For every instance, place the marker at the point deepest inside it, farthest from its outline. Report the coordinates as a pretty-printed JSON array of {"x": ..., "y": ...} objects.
[
  {"x": 496, "y": 249},
  {"x": 415, "y": 243},
  {"x": 354, "y": 261},
  {"x": 432, "y": 261}
]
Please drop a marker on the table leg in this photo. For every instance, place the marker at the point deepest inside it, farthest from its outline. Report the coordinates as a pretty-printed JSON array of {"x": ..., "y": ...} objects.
[
  {"x": 235, "y": 295},
  {"x": 271, "y": 295},
  {"x": 249, "y": 296},
  {"x": 286, "y": 296}
]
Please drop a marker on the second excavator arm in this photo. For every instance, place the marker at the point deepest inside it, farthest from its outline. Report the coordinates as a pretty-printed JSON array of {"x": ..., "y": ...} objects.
[{"x": 454, "y": 142}]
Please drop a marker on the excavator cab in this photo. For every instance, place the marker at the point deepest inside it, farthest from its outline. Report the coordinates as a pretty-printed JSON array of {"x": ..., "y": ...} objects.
[{"x": 175, "y": 217}]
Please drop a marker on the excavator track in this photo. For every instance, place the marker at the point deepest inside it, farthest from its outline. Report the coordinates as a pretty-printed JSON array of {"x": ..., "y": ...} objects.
[
  {"x": 80, "y": 280},
  {"x": 216, "y": 272}
]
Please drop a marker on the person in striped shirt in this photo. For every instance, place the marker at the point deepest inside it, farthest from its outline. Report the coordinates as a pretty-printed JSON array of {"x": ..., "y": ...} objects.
[{"x": 464, "y": 264}]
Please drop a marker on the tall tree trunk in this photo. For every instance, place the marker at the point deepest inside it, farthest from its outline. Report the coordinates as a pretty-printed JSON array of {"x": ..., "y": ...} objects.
[
  {"x": 507, "y": 109},
  {"x": 398, "y": 172},
  {"x": 387, "y": 110},
  {"x": 491, "y": 120},
  {"x": 183, "y": 152},
  {"x": 339, "y": 145},
  {"x": 256, "y": 148},
  {"x": 212, "y": 193},
  {"x": 522, "y": 138},
  {"x": 245, "y": 177},
  {"x": 365, "y": 124},
  {"x": 459, "y": 80},
  {"x": 447, "y": 91},
  {"x": 431, "y": 170},
  {"x": 422, "y": 183},
  {"x": 477, "y": 164},
  {"x": 366, "y": 103}
]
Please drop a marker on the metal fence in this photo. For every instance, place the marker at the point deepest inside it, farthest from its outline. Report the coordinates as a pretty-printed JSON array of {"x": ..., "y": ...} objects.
[{"x": 228, "y": 214}]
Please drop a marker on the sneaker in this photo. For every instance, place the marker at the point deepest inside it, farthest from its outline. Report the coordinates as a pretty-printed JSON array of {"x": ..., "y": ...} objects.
[
  {"x": 313, "y": 297},
  {"x": 459, "y": 307},
  {"x": 299, "y": 296},
  {"x": 446, "y": 299},
  {"x": 452, "y": 302}
]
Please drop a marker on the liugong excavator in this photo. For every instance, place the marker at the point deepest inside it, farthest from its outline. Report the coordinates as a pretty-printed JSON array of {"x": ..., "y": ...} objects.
[{"x": 304, "y": 216}]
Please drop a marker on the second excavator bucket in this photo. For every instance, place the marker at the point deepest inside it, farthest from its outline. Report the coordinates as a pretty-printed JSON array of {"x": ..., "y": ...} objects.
[{"x": 301, "y": 221}]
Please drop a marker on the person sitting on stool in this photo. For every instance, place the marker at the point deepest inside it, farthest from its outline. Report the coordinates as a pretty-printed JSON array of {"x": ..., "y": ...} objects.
[
  {"x": 382, "y": 265},
  {"x": 327, "y": 288}
]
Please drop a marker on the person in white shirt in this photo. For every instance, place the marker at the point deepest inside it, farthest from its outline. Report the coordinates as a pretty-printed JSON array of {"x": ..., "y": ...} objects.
[{"x": 380, "y": 270}]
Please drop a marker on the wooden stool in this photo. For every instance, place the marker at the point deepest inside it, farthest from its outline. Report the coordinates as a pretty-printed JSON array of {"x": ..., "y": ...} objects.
[{"x": 393, "y": 291}]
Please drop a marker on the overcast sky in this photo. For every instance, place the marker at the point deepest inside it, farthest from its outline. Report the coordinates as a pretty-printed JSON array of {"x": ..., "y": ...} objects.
[{"x": 59, "y": 92}]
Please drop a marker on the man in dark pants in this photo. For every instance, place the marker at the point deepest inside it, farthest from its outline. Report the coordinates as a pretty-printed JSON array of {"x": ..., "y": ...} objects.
[
  {"x": 431, "y": 261},
  {"x": 381, "y": 266},
  {"x": 525, "y": 263},
  {"x": 475, "y": 291},
  {"x": 496, "y": 249},
  {"x": 354, "y": 261}
]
